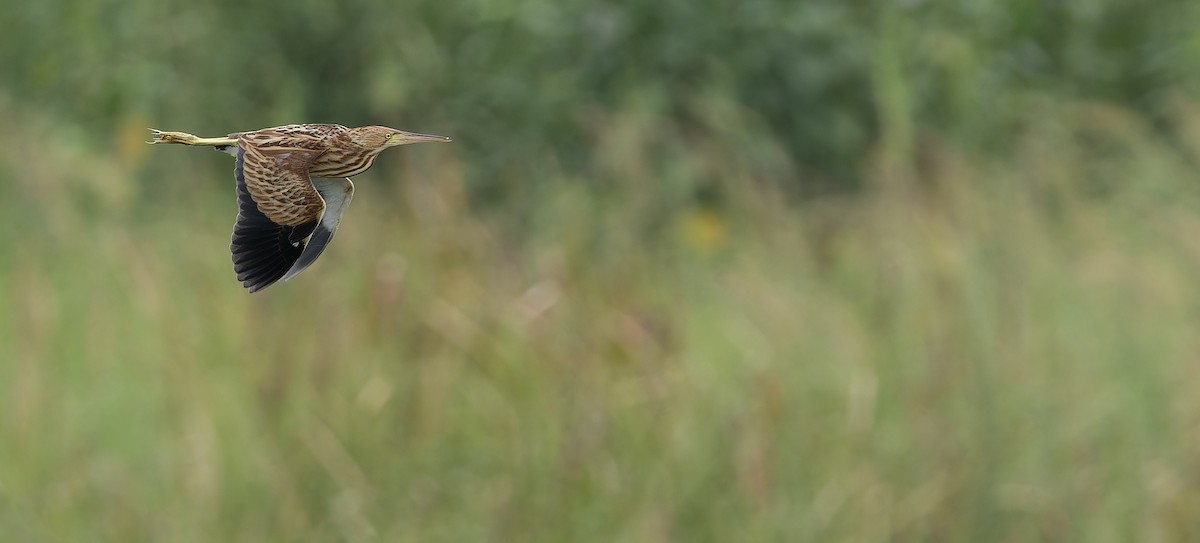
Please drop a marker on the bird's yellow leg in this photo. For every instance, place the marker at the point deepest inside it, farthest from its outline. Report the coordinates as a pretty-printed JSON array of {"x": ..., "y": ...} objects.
[{"x": 160, "y": 136}]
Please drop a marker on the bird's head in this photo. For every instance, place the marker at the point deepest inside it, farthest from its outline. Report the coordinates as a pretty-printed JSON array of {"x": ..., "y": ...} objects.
[{"x": 382, "y": 137}]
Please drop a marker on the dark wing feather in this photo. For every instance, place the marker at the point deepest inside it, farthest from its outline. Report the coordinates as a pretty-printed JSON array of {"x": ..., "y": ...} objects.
[{"x": 263, "y": 250}]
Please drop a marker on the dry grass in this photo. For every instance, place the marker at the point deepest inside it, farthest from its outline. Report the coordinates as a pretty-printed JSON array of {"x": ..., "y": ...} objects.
[{"x": 968, "y": 350}]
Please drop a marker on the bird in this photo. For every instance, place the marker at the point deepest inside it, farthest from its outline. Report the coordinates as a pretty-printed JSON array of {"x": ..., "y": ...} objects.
[{"x": 293, "y": 185}]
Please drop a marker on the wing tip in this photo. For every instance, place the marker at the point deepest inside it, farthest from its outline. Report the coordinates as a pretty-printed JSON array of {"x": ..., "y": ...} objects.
[{"x": 255, "y": 284}]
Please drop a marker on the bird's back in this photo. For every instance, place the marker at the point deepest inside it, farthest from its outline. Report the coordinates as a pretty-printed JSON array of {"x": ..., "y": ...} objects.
[{"x": 300, "y": 136}]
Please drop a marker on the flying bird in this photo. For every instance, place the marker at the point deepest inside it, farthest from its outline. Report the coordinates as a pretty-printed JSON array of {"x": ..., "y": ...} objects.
[{"x": 293, "y": 184}]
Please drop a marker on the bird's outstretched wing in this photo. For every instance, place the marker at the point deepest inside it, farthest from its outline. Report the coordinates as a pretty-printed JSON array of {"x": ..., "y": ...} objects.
[
  {"x": 337, "y": 194},
  {"x": 278, "y": 211}
]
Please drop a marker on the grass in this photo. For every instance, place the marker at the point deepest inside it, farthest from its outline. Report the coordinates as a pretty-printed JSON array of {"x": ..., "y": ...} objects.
[{"x": 970, "y": 349}]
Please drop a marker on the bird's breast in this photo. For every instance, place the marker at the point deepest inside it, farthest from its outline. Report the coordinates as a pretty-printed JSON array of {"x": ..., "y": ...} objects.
[{"x": 342, "y": 164}]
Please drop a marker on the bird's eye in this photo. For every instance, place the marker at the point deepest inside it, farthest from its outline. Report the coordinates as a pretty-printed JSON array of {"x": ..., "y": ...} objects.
[{"x": 390, "y": 135}]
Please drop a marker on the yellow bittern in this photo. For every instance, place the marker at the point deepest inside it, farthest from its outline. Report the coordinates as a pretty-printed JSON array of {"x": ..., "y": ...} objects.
[{"x": 292, "y": 187}]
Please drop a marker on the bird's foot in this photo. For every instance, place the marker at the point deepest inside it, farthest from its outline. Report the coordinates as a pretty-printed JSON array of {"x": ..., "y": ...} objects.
[{"x": 160, "y": 136}]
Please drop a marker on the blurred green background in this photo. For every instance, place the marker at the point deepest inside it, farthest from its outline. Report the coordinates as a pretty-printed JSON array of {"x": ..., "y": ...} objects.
[{"x": 692, "y": 271}]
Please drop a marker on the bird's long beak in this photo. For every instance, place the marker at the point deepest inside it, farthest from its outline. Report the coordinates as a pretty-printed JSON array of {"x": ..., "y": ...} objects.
[{"x": 413, "y": 137}]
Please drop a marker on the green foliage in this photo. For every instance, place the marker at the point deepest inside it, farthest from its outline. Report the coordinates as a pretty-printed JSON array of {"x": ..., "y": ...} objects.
[
  {"x": 501, "y": 76},
  {"x": 692, "y": 271}
]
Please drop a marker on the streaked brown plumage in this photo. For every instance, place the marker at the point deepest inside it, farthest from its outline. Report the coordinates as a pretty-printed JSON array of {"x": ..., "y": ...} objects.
[{"x": 293, "y": 186}]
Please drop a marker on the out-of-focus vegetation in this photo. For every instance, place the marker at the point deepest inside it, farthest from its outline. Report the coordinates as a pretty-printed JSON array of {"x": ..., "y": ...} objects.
[{"x": 691, "y": 271}]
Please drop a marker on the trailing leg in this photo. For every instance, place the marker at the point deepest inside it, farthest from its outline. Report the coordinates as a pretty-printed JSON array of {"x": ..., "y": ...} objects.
[{"x": 160, "y": 136}]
